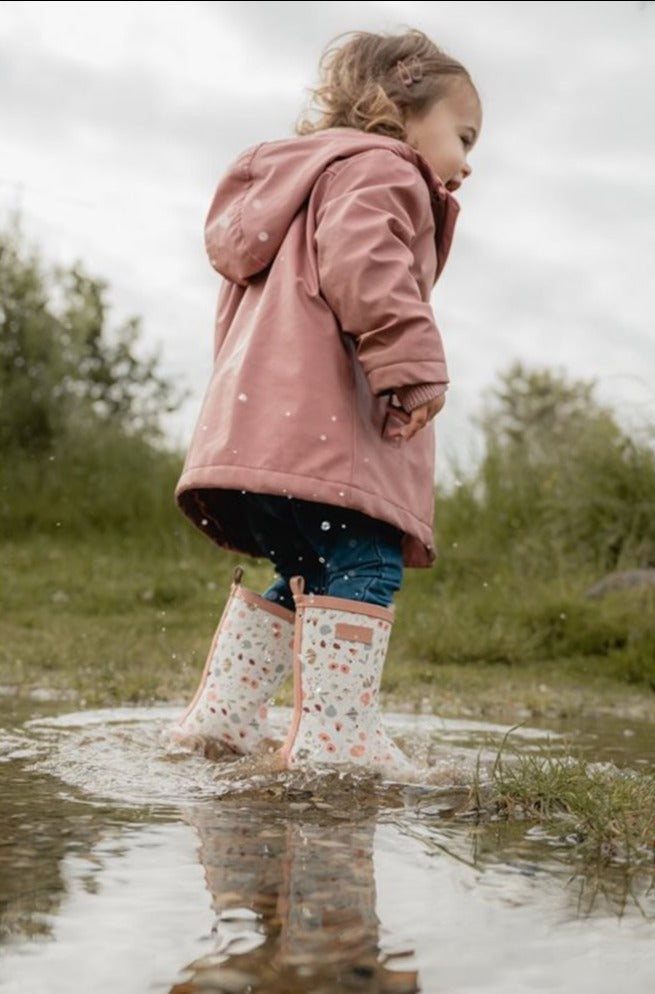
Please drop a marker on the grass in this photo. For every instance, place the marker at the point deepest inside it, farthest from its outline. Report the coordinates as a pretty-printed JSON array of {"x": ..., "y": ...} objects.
[
  {"x": 128, "y": 619},
  {"x": 540, "y": 645},
  {"x": 606, "y": 813},
  {"x": 111, "y": 622}
]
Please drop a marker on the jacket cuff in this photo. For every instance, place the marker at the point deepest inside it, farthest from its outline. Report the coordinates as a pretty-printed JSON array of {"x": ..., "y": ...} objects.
[{"x": 414, "y": 396}]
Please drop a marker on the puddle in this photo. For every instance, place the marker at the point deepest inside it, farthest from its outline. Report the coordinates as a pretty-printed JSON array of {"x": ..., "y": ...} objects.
[{"x": 124, "y": 867}]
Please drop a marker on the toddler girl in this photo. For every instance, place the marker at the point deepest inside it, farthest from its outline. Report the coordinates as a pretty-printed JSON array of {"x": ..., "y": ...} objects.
[{"x": 314, "y": 447}]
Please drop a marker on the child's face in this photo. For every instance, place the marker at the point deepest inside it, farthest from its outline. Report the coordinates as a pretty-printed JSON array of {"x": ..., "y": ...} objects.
[{"x": 445, "y": 134}]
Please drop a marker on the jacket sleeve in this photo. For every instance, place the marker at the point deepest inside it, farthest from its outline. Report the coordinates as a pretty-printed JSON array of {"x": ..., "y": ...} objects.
[{"x": 369, "y": 211}]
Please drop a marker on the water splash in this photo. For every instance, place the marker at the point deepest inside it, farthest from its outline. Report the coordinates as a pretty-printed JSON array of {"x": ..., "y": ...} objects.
[{"x": 122, "y": 754}]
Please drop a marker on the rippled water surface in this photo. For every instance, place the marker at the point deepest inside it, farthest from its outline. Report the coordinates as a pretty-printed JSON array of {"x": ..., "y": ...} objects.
[{"x": 125, "y": 867}]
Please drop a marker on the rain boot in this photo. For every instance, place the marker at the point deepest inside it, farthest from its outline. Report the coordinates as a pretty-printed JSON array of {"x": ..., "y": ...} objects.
[
  {"x": 250, "y": 655},
  {"x": 339, "y": 650}
]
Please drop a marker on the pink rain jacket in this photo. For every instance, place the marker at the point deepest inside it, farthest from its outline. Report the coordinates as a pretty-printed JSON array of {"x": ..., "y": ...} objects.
[{"x": 329, "y": 246}]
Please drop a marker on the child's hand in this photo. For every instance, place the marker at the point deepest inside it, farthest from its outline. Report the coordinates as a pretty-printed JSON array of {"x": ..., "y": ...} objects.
[{"x": 418, "y": 418}]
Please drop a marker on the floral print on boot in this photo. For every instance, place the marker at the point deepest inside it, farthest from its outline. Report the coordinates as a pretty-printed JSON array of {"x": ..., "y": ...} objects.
[
  {"x": 339, "y": 651},
  {"x": 251, "y": 654}
]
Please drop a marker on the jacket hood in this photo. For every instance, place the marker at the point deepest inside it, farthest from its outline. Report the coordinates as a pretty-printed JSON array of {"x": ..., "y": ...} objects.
[{"x": 267, "y": 185}]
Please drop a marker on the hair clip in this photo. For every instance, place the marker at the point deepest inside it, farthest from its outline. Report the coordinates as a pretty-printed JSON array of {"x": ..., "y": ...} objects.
[{"x": 410, "y": 71}]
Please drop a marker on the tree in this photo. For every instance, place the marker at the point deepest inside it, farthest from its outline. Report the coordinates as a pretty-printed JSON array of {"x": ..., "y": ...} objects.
[
  {"x": 540, "y": 411},
  {"x": 560, "y": 473},
  {"x": 59, "y": 360}
]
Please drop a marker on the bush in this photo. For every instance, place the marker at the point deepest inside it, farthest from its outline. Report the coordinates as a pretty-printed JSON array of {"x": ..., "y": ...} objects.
[
  {"x": 96, "y": 481},
  {"x": 79, "y": 409},
  {"x": 561, "y": 485}
]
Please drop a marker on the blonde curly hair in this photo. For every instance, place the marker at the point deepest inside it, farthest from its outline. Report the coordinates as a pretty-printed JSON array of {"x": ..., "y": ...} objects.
[{"x": 372, "y": 82}]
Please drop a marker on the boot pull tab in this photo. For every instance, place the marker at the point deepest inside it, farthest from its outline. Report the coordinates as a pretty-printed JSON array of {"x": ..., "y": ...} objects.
[
  {"x": 297, "y": 584},
  {"x": 237, "y": 576}
]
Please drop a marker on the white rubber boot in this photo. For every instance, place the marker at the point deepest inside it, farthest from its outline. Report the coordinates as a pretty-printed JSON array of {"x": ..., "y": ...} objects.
[
  {"x": 339, "y": 651},
  {"x": 250, "y": 656}
]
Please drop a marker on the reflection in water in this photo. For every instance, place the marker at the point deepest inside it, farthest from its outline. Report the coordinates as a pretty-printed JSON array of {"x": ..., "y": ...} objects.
[
  {"x": 295, "y": 903},
  {"x": 37, "y": 830},
  {"x": 325, "y": 884}
]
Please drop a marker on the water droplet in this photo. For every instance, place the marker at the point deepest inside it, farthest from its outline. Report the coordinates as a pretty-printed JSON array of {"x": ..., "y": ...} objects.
[
  {"x": 346, "y": 577},
  {"x": 243, "y": 397},
  {"x": 321, "y": 559},
  {"x": 323, "y": 438},
  {"x": 333, "y": 418},
  {"x": 325, "y": 526},
  {"x": 271, "y": 552},
  {"x": 343, "y": 526},
  {"x": 204, "y": 522},
  {"x": 224, "y": 220},
  {"x": 341, "y": 493},
  {"x": 287, "y": 414},
  {"x": 204, "y": 427},
  {"x": 257, "y": 203},
  {"x": 243, "y": 491},
  {"x": 263, "y": 236},
  {"x": 234, "y": 452}
]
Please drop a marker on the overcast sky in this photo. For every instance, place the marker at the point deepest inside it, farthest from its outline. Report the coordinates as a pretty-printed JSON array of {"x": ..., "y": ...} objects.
[{"x": 117, "y": 119}]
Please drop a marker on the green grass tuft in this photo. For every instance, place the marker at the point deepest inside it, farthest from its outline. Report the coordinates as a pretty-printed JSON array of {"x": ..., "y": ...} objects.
[{"x": 607, "y": 813}]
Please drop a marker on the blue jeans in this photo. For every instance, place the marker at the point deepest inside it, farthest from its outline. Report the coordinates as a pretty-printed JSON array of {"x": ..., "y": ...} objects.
[{"x": 338, "y": 552}]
